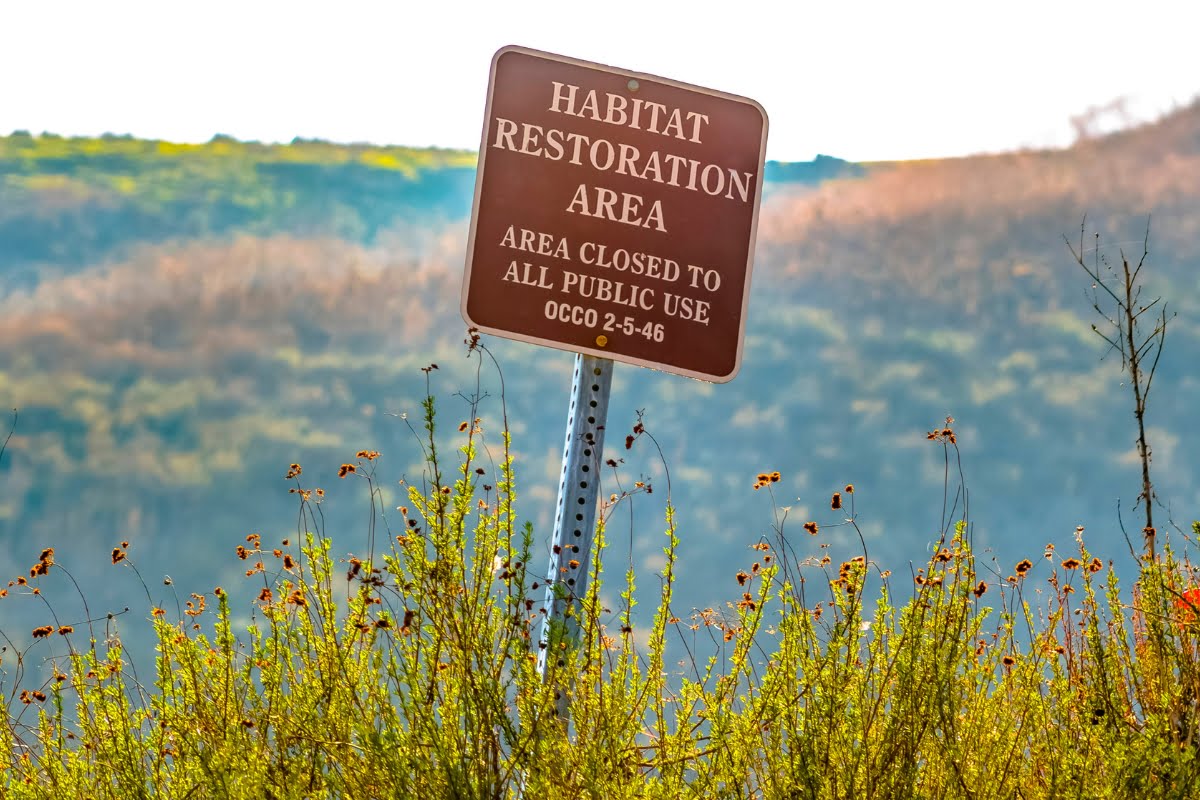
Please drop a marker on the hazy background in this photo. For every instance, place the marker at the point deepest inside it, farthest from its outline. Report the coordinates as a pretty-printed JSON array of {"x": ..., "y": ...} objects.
[{"x": 179, "y": 322}]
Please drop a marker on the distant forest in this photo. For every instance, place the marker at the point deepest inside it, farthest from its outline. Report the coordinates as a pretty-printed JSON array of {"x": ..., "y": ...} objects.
[{"x": 69, "y": 201}]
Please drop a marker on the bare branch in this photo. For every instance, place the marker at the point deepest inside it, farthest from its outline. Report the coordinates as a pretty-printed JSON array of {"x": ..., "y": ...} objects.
[
  {"x": 12, "y": 428},
  {"x": 1128, "y": 341},
  {"x": 1161, "y": 331},
  {"x": 1111, "y": 343}
]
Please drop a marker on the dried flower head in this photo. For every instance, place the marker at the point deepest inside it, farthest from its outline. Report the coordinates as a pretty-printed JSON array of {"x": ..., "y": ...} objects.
[
  {"x": 836, "y": 501},
  {"x": 346, "y": 469},
  {"x": 811, "y": 527},
  {"x": 1023, "y": 566},
  {"x": 943, "y": 434}
]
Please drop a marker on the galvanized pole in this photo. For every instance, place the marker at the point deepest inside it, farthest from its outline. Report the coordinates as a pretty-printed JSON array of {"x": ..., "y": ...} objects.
[{"x": 575, "y": 522}]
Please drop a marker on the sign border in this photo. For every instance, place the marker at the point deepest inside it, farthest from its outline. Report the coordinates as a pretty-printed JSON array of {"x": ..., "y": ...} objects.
[{"x": 598, "y": 351}]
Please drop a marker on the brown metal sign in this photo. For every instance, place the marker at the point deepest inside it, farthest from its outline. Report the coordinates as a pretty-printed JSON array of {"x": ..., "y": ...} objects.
[{"x": 615, "y": 214}]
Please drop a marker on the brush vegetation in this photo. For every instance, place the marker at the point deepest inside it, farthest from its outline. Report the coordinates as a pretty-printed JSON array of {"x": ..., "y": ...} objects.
[{"x": 410, "y": 670}]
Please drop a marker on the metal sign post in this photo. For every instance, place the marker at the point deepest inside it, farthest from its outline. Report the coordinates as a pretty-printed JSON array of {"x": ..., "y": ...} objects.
[{"x": 575, "y": 521}]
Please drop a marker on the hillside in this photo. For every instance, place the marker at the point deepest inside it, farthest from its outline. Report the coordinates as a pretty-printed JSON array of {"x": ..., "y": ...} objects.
[
  {"x": 181, "y": 323},
  {"x": 69, "y": 202}
]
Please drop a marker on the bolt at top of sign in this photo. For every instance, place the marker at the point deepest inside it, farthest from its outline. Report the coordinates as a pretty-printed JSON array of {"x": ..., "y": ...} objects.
[{"x": 615, "y": 214}]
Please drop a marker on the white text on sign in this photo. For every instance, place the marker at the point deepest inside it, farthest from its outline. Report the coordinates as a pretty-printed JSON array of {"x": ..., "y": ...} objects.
[
  {"x": 602, "y": 155},
  {"x": 609, "y": 290}
]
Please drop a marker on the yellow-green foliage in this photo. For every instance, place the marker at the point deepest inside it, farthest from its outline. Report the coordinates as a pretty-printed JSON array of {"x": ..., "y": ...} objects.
[
  {"x": 410, "y": 670},
  {"x": 221, "y": 155},
  {"x": 114, "y": 191}
]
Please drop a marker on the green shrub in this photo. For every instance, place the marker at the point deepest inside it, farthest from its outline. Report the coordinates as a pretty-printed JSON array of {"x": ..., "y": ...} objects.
[{"x": 412, "y": 671}]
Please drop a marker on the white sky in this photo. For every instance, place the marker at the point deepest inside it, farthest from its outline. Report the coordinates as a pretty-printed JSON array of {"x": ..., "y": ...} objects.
[{"x": 858, "y": 80}]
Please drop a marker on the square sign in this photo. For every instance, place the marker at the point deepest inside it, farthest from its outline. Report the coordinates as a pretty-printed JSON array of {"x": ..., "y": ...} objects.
[{"x": 615, "y": 214}]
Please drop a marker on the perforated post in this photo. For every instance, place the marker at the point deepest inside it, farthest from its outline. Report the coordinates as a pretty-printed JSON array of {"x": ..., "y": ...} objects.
[{"x": 575, "y": 521}]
